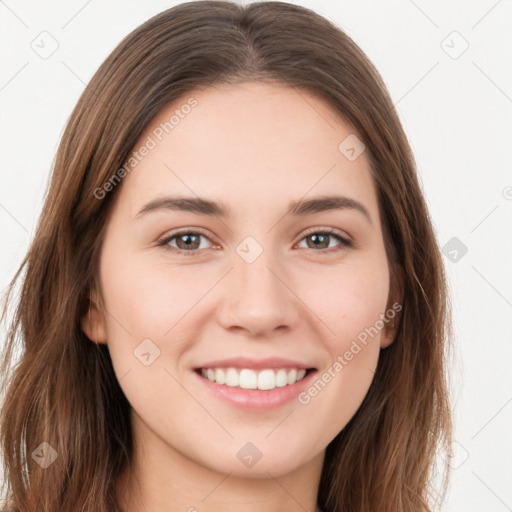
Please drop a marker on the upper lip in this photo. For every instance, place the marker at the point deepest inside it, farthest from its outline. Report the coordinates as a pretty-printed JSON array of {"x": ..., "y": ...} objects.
[{"x": 255, "y": 364}]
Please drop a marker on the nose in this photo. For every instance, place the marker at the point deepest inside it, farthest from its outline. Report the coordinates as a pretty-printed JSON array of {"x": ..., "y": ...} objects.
[{"x": 258, "y": 298}]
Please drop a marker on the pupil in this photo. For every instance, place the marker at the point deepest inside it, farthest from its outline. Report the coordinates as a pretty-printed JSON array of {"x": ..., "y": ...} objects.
[
  {"x": 316, "y": 238},
  {"x": 188, "y": 243}
]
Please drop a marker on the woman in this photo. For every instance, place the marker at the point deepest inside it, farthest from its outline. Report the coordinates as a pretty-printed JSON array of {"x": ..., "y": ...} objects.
[{"x": 234, "y": 297}]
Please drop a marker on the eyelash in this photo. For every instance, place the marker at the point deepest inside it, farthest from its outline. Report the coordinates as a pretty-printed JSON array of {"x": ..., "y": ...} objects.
[{"x": 344, "y": 242}]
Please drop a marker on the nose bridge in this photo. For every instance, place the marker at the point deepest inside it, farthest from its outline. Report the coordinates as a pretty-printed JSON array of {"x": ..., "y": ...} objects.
[{"x": 257, "y": 299}]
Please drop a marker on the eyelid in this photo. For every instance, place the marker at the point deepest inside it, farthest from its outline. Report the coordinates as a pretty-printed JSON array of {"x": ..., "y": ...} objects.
[
  {"x": 345, "y": 241},
  {"x": 331, "y": 231}
]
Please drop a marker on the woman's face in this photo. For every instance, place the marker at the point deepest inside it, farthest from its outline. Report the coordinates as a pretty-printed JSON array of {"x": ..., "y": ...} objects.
[{"x": 238, "y": 280}]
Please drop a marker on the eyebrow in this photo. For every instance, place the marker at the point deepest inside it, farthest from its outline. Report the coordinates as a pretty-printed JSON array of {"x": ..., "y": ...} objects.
[{"x": 207, "y": 207}]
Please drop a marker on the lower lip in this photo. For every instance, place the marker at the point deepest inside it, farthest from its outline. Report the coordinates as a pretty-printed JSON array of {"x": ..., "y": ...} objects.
[{"x": 256, "y": 399}]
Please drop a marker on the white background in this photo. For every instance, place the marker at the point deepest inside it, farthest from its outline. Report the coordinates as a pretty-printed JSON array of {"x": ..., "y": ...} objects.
[{"x": 455, "y": 111}]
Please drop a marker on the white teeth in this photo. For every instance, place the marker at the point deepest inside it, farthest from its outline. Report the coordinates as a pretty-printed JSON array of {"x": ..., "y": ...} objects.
[
  {"x": 232, "y": 377},
  {"x": 281, "y": 378},
  {"x": 267, "y": 379},
  {"x": 248, "y": 379},
  {"x": 251, "y": 379},
  {"x": 220, "y": 376},
  {"x": 292, "y": 376}
]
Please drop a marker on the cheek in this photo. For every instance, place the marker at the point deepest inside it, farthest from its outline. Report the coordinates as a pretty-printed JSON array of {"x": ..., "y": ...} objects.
[
  {"x": 156, "y": 311},
  {"x": 151, "y": 300},
  {"x": 353, "y": 309},
  {"x": 150, "y": 308},
  {"x": 334, "y": 397},
  {"x": 350, "y": 303}
]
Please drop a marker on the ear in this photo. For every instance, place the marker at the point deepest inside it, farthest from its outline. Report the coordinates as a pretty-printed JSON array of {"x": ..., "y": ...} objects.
[
  {"x": 93, "y": 322},
  {"x": 393, "y": 308}
]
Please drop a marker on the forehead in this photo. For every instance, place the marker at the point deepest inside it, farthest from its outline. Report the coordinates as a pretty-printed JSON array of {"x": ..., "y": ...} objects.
[{"x": 251, "y": 141}]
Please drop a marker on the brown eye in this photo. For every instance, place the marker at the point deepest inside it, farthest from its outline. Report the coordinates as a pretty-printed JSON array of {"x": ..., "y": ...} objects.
[
  {"x": 187, "y": 242},
  {"x": 322, "y": 239},
  {"x": 319, "y": 241}
]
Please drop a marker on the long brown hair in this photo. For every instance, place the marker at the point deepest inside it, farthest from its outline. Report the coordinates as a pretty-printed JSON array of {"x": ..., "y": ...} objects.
[{"x": 63, "y": 391}]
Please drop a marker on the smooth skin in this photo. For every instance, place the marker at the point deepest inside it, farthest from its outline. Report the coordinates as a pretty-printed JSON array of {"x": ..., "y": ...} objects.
[{"x": 254, "y": 147}]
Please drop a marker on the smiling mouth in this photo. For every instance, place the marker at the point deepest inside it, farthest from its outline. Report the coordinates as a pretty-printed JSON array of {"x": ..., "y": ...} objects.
[{"x": 246, "y": 378}]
